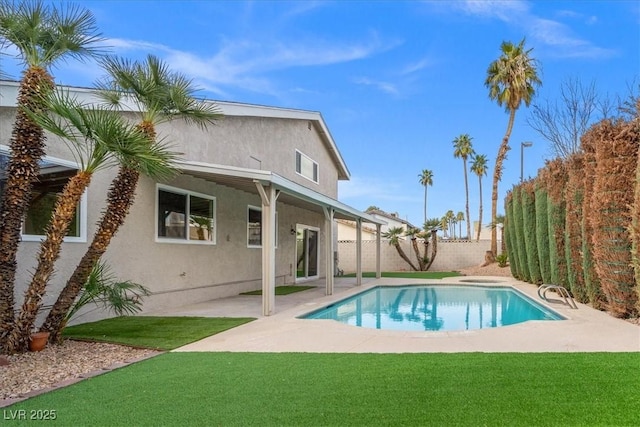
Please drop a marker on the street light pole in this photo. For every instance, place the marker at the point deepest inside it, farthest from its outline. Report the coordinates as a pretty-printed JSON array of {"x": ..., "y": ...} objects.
[{"x": 522, "y": 145}]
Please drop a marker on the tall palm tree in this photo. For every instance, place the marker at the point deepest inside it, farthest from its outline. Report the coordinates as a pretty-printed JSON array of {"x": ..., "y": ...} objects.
[
  {"x": 479, "y": 167},
  {"x": 160, "y": 95},
  {"x": 42, "y": 36},
  {"x": 463, "y": 149},
  {"x": 459, "y": 219},
  {"x": 99, "y": 139},
  {"x": 450, "y": 216},
  {"x": 426, "y": 179},
  {"x": 511, "y": 80},
  {"x": 393, "y": 234}
]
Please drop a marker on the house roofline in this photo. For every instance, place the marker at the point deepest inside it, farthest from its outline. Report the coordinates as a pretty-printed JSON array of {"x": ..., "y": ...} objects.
[{"x": 232, "y": 109}]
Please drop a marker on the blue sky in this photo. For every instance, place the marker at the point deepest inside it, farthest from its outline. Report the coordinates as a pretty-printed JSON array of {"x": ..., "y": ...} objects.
[{"x": 395, "y": 81}]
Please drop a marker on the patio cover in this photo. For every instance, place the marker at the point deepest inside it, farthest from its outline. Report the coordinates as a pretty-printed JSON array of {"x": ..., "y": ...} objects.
[{"x": 272, "y": 187}]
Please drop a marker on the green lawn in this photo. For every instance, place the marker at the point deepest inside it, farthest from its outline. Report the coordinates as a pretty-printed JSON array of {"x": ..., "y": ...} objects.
[
  {"x": 282, "y": 290},
  {"x": 163, "y": 333},
  {"x": 285, "y": 389},
  {"x": 410, "y": 274}
]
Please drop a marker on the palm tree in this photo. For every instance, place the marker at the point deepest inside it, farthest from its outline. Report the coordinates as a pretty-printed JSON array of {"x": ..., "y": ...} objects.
[
  {"x": 426, "y": 179},
  {"x": 463, "y": 149},
  {"x": 393, "y": 234},
  {"x": 431, "y": 223},
  {"x": 444, "y": 226},
  {"x": 160, "y": 95},
  {"x": 479, "y": 167},
  {"x": 41, "y": 36},
  {"x": 450, "y": 221},
  {"x": 459, "y": 220},
  {"x": 99, "y": 139},
  {"x": 413, "y": 234},
  {"x": 511, "y": 79}
]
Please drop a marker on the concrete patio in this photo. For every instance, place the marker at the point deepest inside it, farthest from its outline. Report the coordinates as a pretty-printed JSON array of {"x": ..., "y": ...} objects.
[{"x": 585, "y": 330}]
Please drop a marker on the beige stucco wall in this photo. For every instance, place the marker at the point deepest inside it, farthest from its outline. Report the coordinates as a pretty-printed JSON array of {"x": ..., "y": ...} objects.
[
  {"x": 451, "y": 255},
  {"x": 257, "y": 143}
]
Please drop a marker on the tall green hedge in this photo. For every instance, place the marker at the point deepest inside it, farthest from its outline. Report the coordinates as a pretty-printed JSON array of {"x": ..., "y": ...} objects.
[
  {"x": 521, "y": 250},
  {"x": 509, "y": 235},
  {"x": 527, "y": 195}
]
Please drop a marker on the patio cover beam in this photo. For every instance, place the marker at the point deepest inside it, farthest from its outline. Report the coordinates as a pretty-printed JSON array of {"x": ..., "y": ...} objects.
[
  {"x": 329, "y": 255},
  {"x": 269, "y": 195}
]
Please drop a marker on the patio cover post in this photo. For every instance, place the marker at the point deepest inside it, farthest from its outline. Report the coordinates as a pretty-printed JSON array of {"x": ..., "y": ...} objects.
[
  {"x": 358, "y": 251},
  {"x": 378, "y": 271},
  {"x": 329, "y": 259},
  {"x": 269, "y": 195}
]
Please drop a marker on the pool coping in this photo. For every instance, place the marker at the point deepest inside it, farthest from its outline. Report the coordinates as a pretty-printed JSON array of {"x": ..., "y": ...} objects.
[{"x": 584, "y": 330}]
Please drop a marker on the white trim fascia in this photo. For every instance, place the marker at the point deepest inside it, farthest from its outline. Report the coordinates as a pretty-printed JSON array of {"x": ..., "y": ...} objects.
[{"x": 283, "y": 184}]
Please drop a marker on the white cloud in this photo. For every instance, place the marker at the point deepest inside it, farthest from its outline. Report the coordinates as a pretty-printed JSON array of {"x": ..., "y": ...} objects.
[
  {"x": 549, "y": 33},
  {"x": 242, "y": 63},
  {"x": 383, "y": 86}
]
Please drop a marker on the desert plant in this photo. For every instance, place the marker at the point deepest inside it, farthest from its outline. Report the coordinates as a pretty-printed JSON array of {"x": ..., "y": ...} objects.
[
  {"x": 502, "y": 260},
  {"x": 104, "y": 290}
]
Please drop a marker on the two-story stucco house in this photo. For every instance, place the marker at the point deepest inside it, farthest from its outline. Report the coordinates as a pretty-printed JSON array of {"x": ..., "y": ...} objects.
[{"x": 263, "y": 179}]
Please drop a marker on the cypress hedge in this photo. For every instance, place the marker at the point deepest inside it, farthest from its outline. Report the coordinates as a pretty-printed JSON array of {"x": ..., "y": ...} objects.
[
  {"x": 527, "y": 195},
  {"x": 509, "y": 235},
  {"x": 542, "y": 225},
  {"x": 521, "y": 250},
  {"x": 616, "y": 147},
  {"x": 573, "y": 227},
  {"x": 591, "y": 279},
  {"x": 556, "y": 183}
]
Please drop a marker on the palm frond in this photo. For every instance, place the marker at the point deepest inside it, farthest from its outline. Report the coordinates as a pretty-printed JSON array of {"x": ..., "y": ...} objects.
[{"x": 103, "y": 289}]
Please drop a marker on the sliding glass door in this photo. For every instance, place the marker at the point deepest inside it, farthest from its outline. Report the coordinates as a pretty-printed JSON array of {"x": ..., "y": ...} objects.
[{"x": 306, "y": 252}]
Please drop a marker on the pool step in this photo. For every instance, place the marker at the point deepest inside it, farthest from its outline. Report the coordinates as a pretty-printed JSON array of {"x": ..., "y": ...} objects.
[{"x": 560, "y": 290}]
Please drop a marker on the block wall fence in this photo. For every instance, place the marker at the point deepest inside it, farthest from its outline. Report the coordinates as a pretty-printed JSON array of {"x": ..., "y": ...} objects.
[{"x": 452, "y": 255}]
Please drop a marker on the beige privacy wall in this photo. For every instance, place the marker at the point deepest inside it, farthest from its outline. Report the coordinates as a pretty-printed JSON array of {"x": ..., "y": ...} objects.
[{"x": 450, "y": 256}]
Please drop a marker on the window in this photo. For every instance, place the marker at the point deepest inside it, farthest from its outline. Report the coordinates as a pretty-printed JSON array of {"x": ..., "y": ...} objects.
[
  {"x": 306, "y": 167},
  {"x": 54, "y": 175},
  {"x": 254, "y": 227},
  {"x": 185, "y": 216}
]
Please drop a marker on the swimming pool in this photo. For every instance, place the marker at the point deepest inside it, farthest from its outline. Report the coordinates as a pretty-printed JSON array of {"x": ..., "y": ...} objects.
[{"x": 435, "y": 308}]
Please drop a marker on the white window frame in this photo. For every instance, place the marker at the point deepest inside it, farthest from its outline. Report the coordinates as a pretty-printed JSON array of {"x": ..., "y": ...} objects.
[
  {"x": 82, "y": 217},
  {"x": 259, "y": 209},
  {"x": 315, "y": 167},
  {"x": 188, "y": 193}
]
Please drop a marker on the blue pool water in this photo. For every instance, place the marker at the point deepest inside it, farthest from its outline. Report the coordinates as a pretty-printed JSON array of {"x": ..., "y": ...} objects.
[{"x": 435, "y": 308}]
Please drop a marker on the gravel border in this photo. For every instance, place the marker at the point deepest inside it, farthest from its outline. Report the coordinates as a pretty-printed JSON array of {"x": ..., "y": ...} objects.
[{"x": 33, "y": 373}]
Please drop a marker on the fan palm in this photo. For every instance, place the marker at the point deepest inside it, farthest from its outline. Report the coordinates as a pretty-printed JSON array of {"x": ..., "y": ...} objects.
[
  {"x": 160, "y": 95},
  {"x": 413, "y": 234},
  {"x": 426, "y": 179},
  {"x": 463, "y": 149},
  {"x": 479, "y": 167},
  {"x": 393, "y": 234},
  {"x": 99, "y": 139},
  {"x": 511, "y": 79},
  {"x": 459, "y": 219},
  {"x": 42, "y": 36}
]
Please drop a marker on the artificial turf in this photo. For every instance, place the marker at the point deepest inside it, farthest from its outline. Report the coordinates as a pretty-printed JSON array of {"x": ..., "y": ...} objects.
[
  {"x": 410, "y": 274},
  {"x": 287, "y": 389},
  {"x": 163, "y": 333},
  {"x": 282, "y": 290}
]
